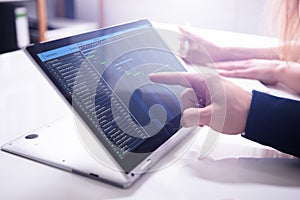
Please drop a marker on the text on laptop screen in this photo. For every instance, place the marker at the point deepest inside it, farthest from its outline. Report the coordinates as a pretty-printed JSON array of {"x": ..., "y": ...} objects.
[{"x": 106, "y": 80}]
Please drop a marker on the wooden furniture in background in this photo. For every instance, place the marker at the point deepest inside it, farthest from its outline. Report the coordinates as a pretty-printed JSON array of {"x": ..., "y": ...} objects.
[
  {"x": 42, "y": 16},
  {"x": 42, "y": 19}
]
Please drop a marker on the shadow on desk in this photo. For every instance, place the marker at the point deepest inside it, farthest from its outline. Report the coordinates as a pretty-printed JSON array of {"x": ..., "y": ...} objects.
[{"x": 268, "y": 171}]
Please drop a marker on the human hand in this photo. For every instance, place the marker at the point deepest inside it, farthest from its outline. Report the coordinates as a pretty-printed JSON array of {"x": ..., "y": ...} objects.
[
  {"x": 209, "y": 100},
  {"x": 262, "y": 70},
  {"x": 196, "y": 50}
]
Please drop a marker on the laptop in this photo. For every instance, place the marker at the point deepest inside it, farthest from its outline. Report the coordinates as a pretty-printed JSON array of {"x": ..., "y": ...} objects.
[{"x": 122, "y": 124}]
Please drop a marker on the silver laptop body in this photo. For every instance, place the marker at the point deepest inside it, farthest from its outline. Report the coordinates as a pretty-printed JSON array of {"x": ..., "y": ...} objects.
[{"x": 121, "y": 124}]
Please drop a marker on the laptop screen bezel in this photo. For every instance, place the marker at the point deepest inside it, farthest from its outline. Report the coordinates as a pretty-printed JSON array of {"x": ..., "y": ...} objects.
[{"x": 35, "y": 49}]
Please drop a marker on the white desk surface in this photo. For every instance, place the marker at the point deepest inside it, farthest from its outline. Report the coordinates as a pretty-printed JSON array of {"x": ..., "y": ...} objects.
[{"x": 235, "y": 169}]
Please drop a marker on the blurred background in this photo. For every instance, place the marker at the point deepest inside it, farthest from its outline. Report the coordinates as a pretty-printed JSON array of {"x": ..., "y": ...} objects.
[{"x": 68, "y": 17}]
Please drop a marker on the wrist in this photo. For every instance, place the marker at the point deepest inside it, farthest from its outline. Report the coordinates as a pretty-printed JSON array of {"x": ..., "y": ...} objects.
[
  {"x": 233, "y": 53},
  {"x": 279, "y": 70},
  {"x": 247, "y": 106},
  {"x": 222, "y": 54}
]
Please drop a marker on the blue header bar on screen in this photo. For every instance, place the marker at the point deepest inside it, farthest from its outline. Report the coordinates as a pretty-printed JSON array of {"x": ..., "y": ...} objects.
[{"x": 55, "y": 53}]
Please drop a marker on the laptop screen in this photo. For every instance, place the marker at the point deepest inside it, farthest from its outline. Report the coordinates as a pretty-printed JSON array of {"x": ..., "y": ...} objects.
[{"x": 104, "y": 76}]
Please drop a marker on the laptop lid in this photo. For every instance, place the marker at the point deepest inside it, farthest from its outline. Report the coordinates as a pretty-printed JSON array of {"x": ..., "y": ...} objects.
[{"x": 103, "y": 76}]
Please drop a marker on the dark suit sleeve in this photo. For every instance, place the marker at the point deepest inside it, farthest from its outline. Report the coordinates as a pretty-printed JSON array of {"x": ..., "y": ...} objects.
[{"x": 274, "y": 122}]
